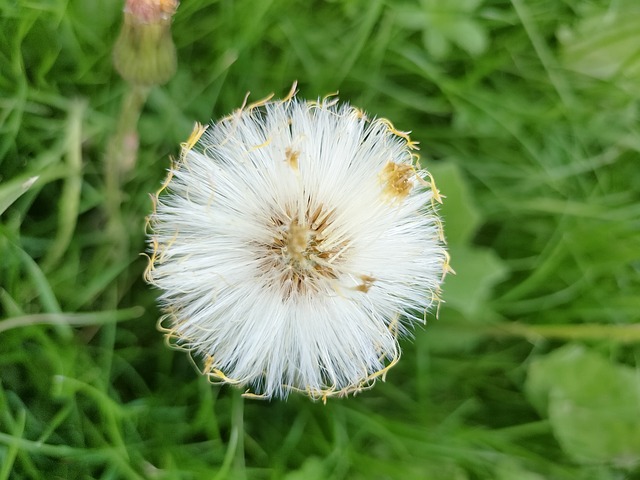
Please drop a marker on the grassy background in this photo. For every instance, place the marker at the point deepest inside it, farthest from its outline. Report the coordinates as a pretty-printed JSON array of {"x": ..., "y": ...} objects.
[{"x": 528, "y": 115}]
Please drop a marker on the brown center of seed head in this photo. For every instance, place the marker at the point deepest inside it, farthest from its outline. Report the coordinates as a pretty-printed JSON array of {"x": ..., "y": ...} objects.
[
  {"x": 297, "y": 245},
  {"x": 300, "y": 253}
]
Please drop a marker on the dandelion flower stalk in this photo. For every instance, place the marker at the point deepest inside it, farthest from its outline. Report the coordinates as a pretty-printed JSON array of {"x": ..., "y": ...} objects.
[
  {"x": 293, "y": 243},
  {"x": 144, "y": 56}
]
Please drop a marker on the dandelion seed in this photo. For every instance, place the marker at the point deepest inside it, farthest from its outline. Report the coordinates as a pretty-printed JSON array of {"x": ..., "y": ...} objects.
[{"x": 293, "y": 242}]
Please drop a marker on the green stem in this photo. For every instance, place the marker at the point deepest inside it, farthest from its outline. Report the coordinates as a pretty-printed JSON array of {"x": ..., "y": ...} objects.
[
  {"x": 593, "y": 331},
  {"x": 589, "y": 331},
  {"x": 122, "y": 152},
  {"x": 234, "y": 457}
]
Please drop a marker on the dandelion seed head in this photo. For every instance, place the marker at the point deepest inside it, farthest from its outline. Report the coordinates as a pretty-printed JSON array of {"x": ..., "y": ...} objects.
[{"x": 293, "y": 242}]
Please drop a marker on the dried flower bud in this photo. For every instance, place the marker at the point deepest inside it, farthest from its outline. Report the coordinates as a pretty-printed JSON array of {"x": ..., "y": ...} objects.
[{"x": 144, "y": 53}]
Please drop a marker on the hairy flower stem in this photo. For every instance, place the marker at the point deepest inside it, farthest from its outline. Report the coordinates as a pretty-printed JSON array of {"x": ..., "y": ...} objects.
[{"x": 122, "y": 151}]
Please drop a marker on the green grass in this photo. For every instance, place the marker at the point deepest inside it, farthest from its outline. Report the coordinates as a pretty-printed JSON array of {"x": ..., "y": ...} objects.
[{"x": 528, "y": 114}]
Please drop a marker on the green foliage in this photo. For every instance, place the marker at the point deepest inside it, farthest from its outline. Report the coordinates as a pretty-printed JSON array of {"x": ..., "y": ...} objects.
[
  {"x": 11, "y": 191},
  {"x": 527, "y": 115},
  {"x": 593, "y": 405},
  {"x": 480, "y": 268},
  {"x": 603, "y": 43},
  {"x": 445, "y": 24}
]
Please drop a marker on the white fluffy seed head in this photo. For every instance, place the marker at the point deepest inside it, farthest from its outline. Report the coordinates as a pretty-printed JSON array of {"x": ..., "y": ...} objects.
[{"x": 293, "y": 241}]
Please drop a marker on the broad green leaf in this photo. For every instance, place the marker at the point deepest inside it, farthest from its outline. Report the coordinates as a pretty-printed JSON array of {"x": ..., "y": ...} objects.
[
  {"x": 469, "y": 36},
  {"x": 509, "y": 470},
  {"x": 477, "y": 269},
  {"x": 311, "y": 469},
  {"x": 436, "y": 43},
  {"x": 604, "y": 44},
  {"x": 593, "y": 405},
  {"x": 461, "y": 217}
]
